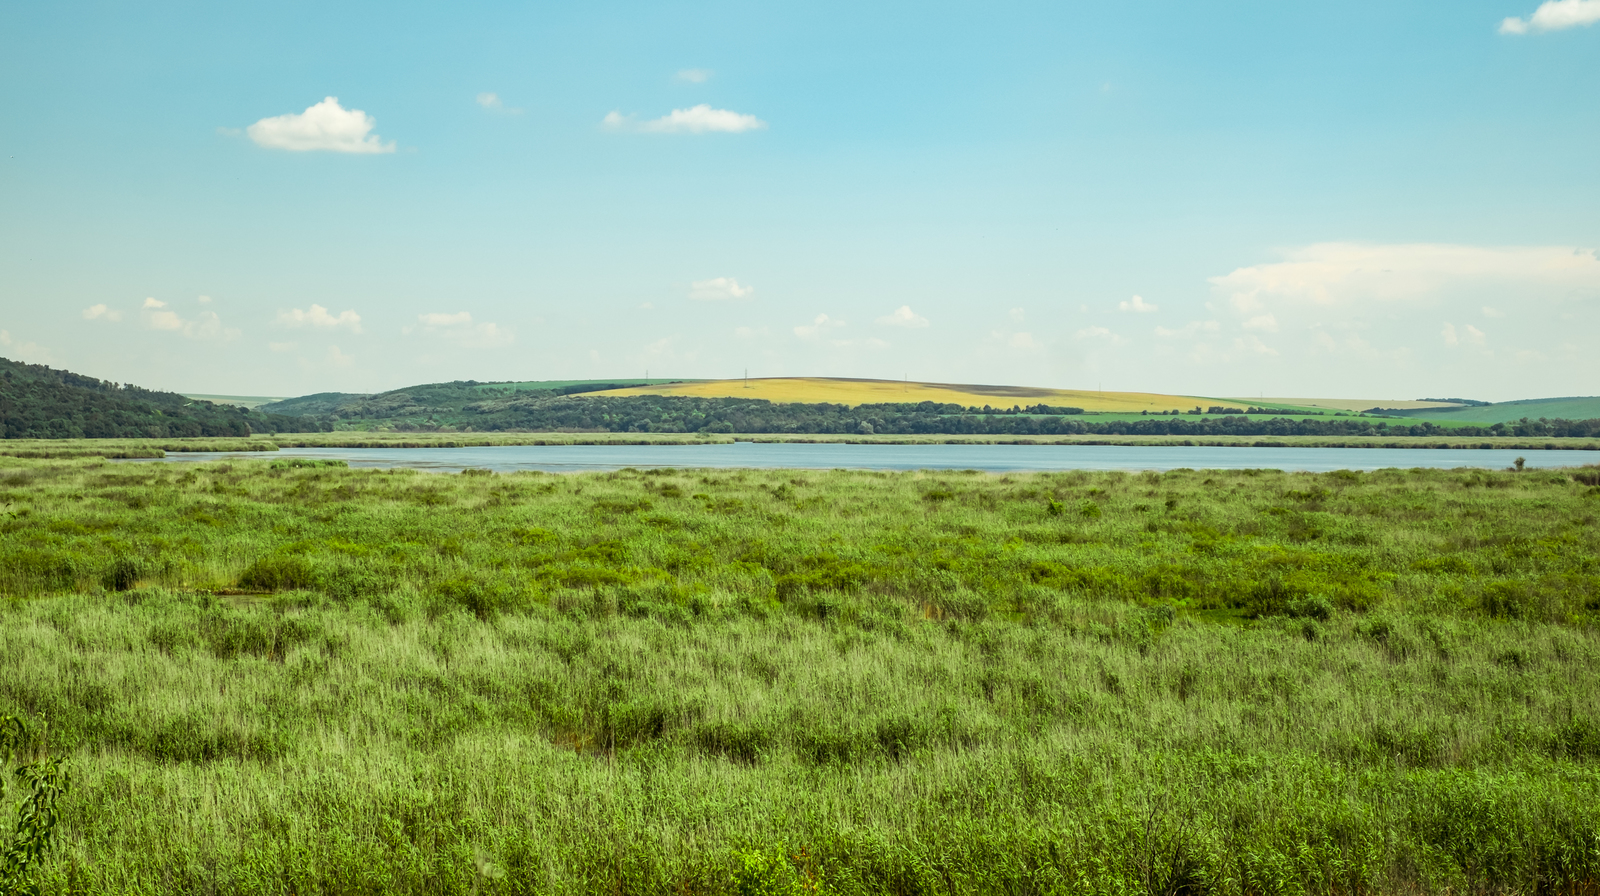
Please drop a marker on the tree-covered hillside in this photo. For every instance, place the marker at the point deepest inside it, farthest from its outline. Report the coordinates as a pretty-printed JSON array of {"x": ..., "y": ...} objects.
[
  {"x": 38, "y": 402},
  {"x": 484, "y": 407}
]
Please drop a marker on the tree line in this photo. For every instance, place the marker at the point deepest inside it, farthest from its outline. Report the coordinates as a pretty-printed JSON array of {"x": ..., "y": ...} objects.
[
  {"x": 680, "y": 414},
  {"x": 39, "y": 402}
]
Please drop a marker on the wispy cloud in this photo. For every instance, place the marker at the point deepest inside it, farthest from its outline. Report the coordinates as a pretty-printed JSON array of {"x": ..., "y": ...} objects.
[
  {"x": 1554, "y": 15},
  {"x": 27, "y": 352},
  {"x": 458, "y": 329},
  {"x": 493, "y": 103},
  {"x": 101, "y": 312},
  {"x": 719, "y": 289},
  {"x": 818, "y": 327},
  {"x": 904, "y": 317},
  {"x": 1098, "y": 334},
  {"x": 1137, "y": 305},
  {"x": 1468, "y": 335},
  {"x": 319, "y": 317},
  {"x": 695, "y": 75},
  {"x": 701, "y": 119},
  {"x": 326, "y": 126},
  {"x": 206, "y": 326},
  {"x": 1343, "y": 274}
]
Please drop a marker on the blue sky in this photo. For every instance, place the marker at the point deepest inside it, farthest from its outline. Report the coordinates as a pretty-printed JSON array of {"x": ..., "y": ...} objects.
[{"x": 1359, "y": 199}]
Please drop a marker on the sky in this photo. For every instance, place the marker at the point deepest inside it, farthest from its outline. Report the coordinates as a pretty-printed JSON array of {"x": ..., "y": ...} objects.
[{"x": 1385, "y": 200}]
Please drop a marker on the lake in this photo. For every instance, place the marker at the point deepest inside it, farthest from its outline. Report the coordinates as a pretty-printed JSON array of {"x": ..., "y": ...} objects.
[{"x": 989, "y": 458}]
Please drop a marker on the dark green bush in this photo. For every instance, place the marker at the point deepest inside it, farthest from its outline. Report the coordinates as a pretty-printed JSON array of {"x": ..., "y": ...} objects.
[
  {"x": 121, "y": 574},
  {"x": 279, "y": 572}
]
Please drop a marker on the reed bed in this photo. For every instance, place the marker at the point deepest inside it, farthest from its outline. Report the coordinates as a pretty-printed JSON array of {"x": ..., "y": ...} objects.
[{"x": 276, "y": 676}]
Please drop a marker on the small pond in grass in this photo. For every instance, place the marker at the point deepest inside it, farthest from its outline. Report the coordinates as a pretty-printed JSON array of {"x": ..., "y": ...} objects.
[{"x": 988, "y": 458}]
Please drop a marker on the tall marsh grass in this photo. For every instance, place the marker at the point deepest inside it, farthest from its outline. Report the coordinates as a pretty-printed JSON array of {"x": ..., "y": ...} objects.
[{"x": 294, "y": 679}]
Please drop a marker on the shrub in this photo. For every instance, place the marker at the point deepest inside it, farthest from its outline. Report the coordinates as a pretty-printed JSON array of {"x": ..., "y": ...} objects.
[
  {"x": 1312, "y": 606},
  {"x": 482, "y": 599},
  {"x": 739, "y": 742},
  {"x": 278, "y": 572},
  {"x": 121, "y": 575}
]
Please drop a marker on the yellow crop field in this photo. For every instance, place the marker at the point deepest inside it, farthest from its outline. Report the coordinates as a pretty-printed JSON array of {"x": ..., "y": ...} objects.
[{"x": 861, "y": 391}]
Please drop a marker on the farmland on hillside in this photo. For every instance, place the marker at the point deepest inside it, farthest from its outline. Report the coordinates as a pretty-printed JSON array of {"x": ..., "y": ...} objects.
[{"x": 865, "y": 391}]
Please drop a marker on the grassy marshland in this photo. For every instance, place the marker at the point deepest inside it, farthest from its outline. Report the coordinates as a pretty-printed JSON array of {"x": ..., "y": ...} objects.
[{"x": 280, "y": 679}]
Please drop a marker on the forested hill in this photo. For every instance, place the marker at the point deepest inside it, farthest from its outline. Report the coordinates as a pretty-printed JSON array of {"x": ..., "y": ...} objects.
[
  {"x": 38, "y": 402},
  {"x": 475, "y": 407}
]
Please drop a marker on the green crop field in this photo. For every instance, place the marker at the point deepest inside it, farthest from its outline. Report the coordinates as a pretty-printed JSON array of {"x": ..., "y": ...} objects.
[
  {"x": 1509, "y": 411},
  {"x": 268, "y": 676}
]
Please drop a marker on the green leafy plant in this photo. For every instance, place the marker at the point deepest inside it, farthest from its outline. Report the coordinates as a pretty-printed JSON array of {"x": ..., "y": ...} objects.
[{"x": 44, "y": 781}]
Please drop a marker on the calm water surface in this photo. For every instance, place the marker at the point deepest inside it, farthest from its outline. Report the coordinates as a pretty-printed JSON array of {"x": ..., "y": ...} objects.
[{"x": 989, "y": 458}]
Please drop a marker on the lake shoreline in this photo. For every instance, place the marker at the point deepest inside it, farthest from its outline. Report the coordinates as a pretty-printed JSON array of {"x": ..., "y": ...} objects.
[{"x": 156, "y": 448}]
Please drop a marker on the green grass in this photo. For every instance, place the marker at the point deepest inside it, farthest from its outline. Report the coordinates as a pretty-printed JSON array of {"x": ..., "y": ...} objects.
[
  {"x": 1510, "y": 411},
  {"x": 273, "y": 678}
]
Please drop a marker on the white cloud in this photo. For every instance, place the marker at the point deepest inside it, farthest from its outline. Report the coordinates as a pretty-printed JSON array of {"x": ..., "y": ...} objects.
[
  {"x": 1099, "y": 334},
  {"x": 903, "y": 317},
  {"x": 820, "y": 325},
  {"x": 718, "y": 289},
  {"x": 336, "y": 358},
  {"x": 445, "y": 320},
  {"x": 26, "y": 352},
  {"x": 1469, "y": 335},
  {"x": 695, "y": 75},
  {"x": 207, "y": 326},
  {"x": 1266, "y": 323},
  {"x": 1253, "y": 345},
  {"x": 1137, "y": 305},
  {"x": 1341, "y": 274},
  {"x": 1024, "y": 342},
  {"x": 1016, "y": 315},
  {"x": 701, "y": 119},
  {"x": 282, "y": 346},
  {"x": 1554, "y": 15},
  {"x": 204, "y": 300},
  {"x": 749, "y": 332},
  {"x": 1491, "y": 312},
  {"x": 493, "y": 103},
  {"x": 458, "y": 329},
  {"x": 318, "y": 316},
  {"x": 101, "y": 312},
  {"x": 324, "y": 126}
]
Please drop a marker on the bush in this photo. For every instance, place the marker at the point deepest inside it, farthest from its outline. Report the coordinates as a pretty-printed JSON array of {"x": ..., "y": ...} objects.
[
  {"x": 1312, "y": 606},
  {"x": 482, "y": 599},
  {"x": 278, "y": 572},
  {"x": 121, "y": 575}
]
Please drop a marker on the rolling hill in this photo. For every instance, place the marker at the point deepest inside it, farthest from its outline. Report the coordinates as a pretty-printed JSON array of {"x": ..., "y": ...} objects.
[
  {"x": 1576, "y": 408},
  {"x": 38, "y": 402},
  {"x": 855, "y": 392}
]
